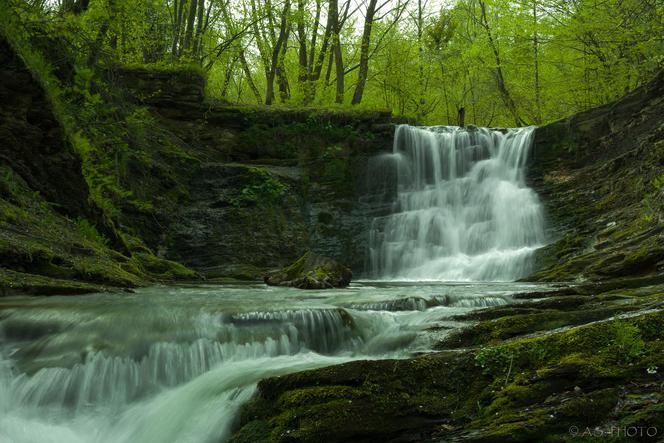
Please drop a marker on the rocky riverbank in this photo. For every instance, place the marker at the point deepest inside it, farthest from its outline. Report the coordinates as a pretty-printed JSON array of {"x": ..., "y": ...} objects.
[{"x": 569, "y": 365}]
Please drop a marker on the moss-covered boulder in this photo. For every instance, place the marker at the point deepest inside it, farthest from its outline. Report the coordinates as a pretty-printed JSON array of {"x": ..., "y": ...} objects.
[{"x": 311, "y": 271}]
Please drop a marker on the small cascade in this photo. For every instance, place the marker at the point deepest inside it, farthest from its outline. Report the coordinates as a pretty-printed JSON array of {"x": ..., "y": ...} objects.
[
  {"x": 116, "y": 376},
  {"x": 176, "y": 365},
  {"x": 321, "y": 330},
  {"x": 400, "y": 304},
  {"x": 463, "y": 211}
]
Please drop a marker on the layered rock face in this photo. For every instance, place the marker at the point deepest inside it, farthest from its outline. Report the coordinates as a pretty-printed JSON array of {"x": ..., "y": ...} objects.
[
  {"x": 44, "y": 245},
  {"x": 54, "y": 238},
  {"x": 270, "y": 184},
  {"x": 600, "y": 176},
  {"x": 229, "y": 191}
]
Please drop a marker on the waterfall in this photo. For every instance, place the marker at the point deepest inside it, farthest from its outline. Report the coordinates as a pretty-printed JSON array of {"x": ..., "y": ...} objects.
[{"x": 462, "y": 210}]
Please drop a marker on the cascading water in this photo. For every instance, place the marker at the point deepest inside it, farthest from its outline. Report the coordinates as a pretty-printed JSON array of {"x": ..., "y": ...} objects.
[
  {"x": 169, "y": 365},
  {"x": 462, "y": 210}
]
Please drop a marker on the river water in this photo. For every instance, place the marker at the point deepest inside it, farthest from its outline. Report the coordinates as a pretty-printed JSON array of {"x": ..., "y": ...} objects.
[{"x": 175, "y": 364}]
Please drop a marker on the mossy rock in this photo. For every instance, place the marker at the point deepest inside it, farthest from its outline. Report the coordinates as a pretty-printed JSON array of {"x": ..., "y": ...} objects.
[
  {"x": 162, "y": 268},
  {"x": 311, "y": 271},
  {"x": 532, "y": 388}
]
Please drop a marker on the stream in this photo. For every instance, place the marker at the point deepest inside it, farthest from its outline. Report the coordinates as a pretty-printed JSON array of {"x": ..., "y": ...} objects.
[{"x": 175, "y": 364}]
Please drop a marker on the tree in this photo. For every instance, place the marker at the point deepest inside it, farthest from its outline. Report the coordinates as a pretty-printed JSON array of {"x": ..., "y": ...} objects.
[
  {"x": 498, "y": 69},
  {"x": 370, "y": 18},
  {"x": 336, "y": 53},
  {"x": 278, "y": 53},
  {"x": 501, "y": 62}
]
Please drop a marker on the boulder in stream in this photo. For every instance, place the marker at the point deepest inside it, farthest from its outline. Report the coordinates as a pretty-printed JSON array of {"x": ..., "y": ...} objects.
[{"x": 311, "y": 271}]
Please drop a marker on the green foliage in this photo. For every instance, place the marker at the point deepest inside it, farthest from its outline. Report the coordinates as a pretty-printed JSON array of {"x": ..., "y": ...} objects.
[
  {"x": 494, "y": 361},
  {"x": 89, "y": 231},
  {"x": 426, "y": 61},
  {"x": 601, "y": 348},
  {"x": 262, "y": 188},
  {"x": 161, "y": 268},
  {"x": 627, "y": 343}
]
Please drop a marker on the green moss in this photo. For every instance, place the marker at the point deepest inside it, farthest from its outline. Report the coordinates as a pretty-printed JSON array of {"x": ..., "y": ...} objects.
[
  {"x": 649, "y": 253},
  {"x": 317, "y": 394},
  {"x": 608, "y": 347},
  {"x": 606, "y": 202},
  {"x": 590, "y": 408},
  {"x": 651, "y": 416},
  {"x": 48, "y": 248},
  {"x": 19, "y": 283},
  {"x": 295, "y": 268},
  {"x": 525, "y": 322},
  {"x": 652, "y": 201},
  {"x": 161, "y": 268}
]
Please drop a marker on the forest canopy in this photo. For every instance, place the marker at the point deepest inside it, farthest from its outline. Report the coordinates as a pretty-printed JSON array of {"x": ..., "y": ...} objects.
[{"x": 504, "y": 63}]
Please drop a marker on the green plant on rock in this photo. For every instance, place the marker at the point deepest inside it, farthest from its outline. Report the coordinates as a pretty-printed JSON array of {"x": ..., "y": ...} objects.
[
  {"x": 89, "y": 231},
  {"x": 8, "y": 185},
  {"x": 627, "y": 344},
  {"x": 495, "y": 360},
  {"x": 262, "y": 188}
]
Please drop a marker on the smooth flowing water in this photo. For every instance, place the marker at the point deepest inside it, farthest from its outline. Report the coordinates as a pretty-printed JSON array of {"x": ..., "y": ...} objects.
[
  {"x": 175, "y": 364},
  {"x": 462, "y": 212}
]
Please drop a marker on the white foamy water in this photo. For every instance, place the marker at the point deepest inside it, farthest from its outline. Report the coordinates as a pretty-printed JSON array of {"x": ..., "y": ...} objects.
[
  {"x": 174, "y": 365},
  {"x": 463, "y": 211}
]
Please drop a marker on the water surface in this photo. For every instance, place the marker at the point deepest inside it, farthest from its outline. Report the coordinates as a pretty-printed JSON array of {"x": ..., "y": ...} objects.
[{"x": 174, "y": 364}]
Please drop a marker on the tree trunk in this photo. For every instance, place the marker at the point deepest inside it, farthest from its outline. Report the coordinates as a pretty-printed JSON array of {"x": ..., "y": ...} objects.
[
  {"x": 282, "y": 77},
  {"x": 302, "y": 50},
  {"x": 336, "y": 50},
  {"x": 462, "y": 117},
  {"x": 198, "y": 39},
  {"x": 498, "y": 71},
  {"x": 178, "y": 9},
  {"x": 538, "y": 104},
  {"x": 261, "y": 41},
  {"x": 95, "y": 50},
  {"x": 189, "y": 31},
  {"x": 364, "y": 53},
  {"x": 97, "y": 45},
  {"x": 318, "y": 68},
  {"x": 228, "y": 76},
  {"x": 250, "y": 80},
  {"x": 276, "y": 53}
]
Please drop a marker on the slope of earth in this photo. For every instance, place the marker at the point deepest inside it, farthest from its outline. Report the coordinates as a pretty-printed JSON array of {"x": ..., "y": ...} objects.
[{"x": 52, "y": 238}]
